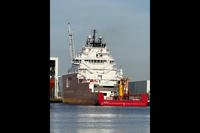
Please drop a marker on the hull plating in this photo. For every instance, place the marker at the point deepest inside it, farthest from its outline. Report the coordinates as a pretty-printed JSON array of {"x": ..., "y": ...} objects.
[{"x": 141, "y": 102}]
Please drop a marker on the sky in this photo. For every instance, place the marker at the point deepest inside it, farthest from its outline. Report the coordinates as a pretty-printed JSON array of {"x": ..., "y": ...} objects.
[{"x": 123, "y": 24}]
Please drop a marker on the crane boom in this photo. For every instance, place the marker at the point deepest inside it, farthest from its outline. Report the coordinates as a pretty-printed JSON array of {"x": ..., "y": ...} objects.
[{"x": 71, "y": 43}]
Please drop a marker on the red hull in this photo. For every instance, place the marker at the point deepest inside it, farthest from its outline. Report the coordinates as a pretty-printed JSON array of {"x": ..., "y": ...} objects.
[{"x": 142, "y": 102}]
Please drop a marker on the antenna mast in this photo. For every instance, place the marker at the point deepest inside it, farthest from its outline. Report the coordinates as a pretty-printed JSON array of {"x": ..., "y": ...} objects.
[{"x": 71, "y": 43}]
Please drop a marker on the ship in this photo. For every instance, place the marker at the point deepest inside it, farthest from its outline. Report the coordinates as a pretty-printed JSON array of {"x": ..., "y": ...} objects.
[
  {"x": 93, "y": 78},
  {"x": 123, "y": 98}
]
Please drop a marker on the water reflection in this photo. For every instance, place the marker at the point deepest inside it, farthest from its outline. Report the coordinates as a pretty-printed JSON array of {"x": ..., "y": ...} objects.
[{"x": 96, "y": 119}]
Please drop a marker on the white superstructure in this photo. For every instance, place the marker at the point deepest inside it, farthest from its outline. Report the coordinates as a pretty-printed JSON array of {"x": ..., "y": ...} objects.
[{"x": 95, "y": 64}]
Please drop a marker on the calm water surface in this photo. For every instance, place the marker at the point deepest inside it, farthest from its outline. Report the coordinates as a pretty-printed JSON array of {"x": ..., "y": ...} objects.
[{"x": 98, "y": 119}]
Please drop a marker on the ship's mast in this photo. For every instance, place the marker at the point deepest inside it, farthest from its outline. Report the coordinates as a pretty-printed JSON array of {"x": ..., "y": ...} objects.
[
  {"x": 71, "y": 43},
  {"x": 94, "y": 36}
]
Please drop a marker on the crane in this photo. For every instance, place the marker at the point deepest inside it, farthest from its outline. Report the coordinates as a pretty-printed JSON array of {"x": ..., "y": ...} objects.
[{"x": 71, "y": 43}]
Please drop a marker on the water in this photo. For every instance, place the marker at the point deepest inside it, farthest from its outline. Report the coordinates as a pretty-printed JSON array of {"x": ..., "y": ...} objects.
[{"x": 98, "y": 119}]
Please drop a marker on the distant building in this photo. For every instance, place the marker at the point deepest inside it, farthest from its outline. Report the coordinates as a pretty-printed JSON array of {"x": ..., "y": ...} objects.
[
  {"x": 138, "y": 87},
  {"x": 54, "y": 92}
]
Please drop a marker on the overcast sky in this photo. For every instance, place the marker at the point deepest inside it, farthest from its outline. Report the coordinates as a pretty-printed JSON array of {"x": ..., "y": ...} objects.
[{"x": 124, "y": 25}]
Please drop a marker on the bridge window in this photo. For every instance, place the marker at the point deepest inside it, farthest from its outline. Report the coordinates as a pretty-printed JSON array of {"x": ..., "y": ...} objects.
[{"x": 111, "y": 61}]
